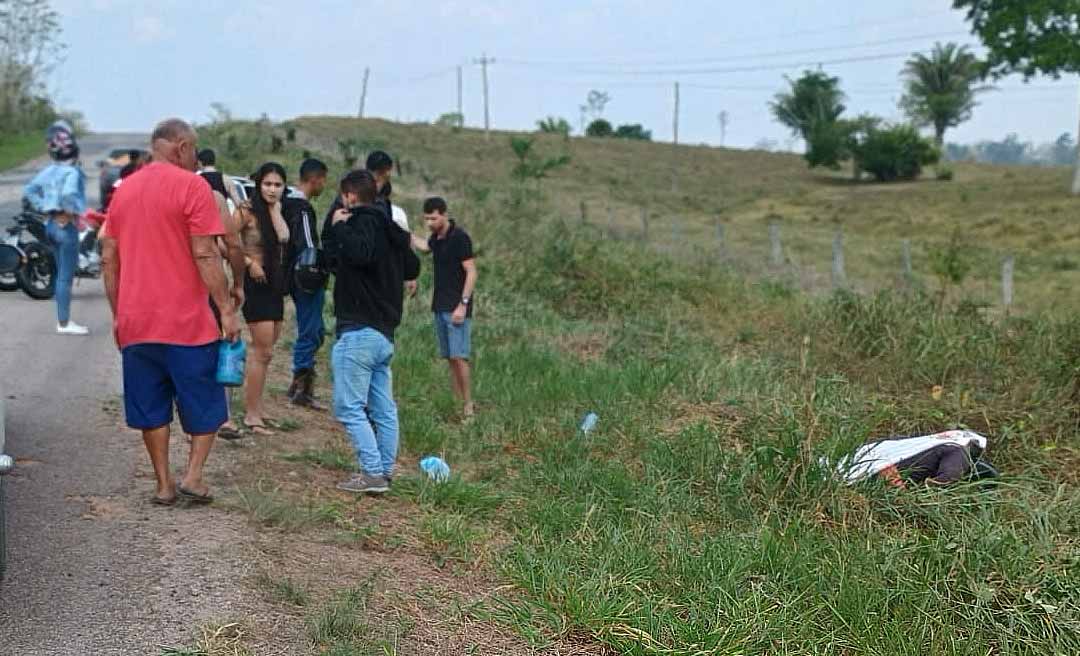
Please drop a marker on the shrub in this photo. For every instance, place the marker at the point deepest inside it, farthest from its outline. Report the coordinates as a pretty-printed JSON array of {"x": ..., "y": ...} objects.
[
  {"x": 452, "y": 120},
  {"x": 599, "y": 128},
  {"x": 633, "y": 131},
  {"x": 898, "y": 152},
  {"x": 944, "y": 173},
  {"x": 554, "y": 125}
]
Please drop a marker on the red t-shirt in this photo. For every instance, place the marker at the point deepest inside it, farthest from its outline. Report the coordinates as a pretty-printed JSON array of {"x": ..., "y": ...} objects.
[{"x": 152, "y": 217}]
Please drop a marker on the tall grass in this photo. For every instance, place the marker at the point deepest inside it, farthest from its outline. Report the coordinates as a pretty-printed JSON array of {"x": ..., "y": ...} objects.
[{"x": 698, "y": 518}]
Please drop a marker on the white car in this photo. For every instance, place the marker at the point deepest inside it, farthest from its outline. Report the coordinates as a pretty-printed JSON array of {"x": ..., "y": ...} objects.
[{"x": 245, "y": 189}]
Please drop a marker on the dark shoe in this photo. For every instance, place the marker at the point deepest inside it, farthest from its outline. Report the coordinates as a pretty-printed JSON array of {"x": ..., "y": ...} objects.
[
  {"x": 365, "y": 484},
  {"x": 306, "y": 395},
  {"x": 297, "y": 384}
]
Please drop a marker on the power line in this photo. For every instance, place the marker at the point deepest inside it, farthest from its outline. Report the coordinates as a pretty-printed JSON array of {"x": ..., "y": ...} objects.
[
  {"x": 766, "y": 67},
  {"x": 904, "y": 18},
  {"x": 744, "y": 57}
]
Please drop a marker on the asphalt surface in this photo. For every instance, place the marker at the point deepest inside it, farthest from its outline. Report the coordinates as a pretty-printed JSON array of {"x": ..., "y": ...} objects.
[{"x": 92, "y": 567}]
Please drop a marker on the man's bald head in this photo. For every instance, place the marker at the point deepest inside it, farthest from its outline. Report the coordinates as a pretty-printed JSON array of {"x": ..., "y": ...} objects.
[{"x": 174, "y": 141}]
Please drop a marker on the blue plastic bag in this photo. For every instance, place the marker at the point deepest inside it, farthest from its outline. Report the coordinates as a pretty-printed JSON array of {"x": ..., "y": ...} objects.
[{"x": 231, "y": 359}]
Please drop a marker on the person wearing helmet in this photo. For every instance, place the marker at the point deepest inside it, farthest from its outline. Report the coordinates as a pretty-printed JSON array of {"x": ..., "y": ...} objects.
[{"x": 59, "y": 191}]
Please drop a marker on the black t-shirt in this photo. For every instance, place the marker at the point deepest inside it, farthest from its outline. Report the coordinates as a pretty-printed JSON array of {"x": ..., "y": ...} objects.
[
  {"x": 447, "y": 255},
  {"x": 945, "y": 463}
]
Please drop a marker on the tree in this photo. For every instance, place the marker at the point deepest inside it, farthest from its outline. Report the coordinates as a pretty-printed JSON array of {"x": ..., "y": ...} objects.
[
  {"x": 633, "y": 131},
  {"x": 1029, "y": 37},
  {"x": 1063, "y": 151},
  {"x": 554, "y": 125},
  {"x": 599, "y": 128},
  {"x": 596, "y": 101},
  {"x": 220, "y": 113},
  {"x": 30, "y": 48},
  {"x": 940, "y": 88},
  {"x": 814, "y": 100}
]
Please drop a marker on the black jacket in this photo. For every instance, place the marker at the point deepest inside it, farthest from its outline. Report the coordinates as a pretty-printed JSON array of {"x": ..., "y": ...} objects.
[
  {"x": 297, "y": 212},
  {"x": 372, "y": 258}
]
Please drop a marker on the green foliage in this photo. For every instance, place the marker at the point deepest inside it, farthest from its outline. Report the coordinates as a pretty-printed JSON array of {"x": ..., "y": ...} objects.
[
  {"x": 1030, "y": 37},
  {"x": 554, "y": 125},
  {"x": 940, "y": 88},
  {"x": 30, "y": 46},
  {"x": 349, "y": 149},
  {"x": 599, "y": 128},
  {"x": 897, "y": 152},
  {"x": 814, "y": 101},
  {"x": 452, "y": 120},
  {"x": 531, "y": 166},
  {"x": 633, "y": 131}
]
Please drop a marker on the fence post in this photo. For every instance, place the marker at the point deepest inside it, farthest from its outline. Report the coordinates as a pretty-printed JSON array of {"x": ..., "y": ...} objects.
[
  {"x": 584, "y": 215},
  {"x": 1007, "y": 268},
  {"x": 776, "y": 252},
  {"x": 644, "y": 224},
  {"x": 839, "y": 277},
  {"x": 721, "y": 244},
  {"x": 905, "y": 258}
]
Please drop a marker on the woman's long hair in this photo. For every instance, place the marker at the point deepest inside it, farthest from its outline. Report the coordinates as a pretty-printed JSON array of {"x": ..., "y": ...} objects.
[{"x": 271, "y": 245}]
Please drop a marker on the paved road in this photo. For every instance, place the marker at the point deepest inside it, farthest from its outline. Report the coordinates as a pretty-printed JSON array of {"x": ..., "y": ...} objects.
[{"x": 92, "y": 568}]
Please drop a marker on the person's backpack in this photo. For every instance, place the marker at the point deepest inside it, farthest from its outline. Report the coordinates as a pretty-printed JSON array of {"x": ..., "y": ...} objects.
[{"x": 309, "y": 275}]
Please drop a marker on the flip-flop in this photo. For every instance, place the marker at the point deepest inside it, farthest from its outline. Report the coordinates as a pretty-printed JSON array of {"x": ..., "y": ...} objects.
[
  {"x": 192, "y": 497},
  {"x": 258, "y": 429},
  {"x": 158, "y": 501},
  {"x": 230, "y": 433}
]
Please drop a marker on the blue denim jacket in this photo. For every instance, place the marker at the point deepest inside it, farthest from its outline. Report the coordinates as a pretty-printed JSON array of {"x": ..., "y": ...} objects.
[{"x": 59, "y": 187}]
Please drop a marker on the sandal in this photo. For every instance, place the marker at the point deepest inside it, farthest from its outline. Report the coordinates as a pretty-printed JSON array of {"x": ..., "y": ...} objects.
[
  {"x": 228, "y": 432},
  {"x": 158, "y": 501},
  {"x": 193, "y": 497},
  {"x": 258, "y": 429}
]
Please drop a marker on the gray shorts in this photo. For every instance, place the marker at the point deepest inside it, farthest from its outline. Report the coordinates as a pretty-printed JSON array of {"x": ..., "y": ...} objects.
[{"x": 454, "y": 341}]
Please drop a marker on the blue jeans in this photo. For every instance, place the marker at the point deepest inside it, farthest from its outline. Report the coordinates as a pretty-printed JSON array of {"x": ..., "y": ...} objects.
[
  {"x": 65, "y": 239},
  {"x": 310, "y": 331},
  {"x": 363, "y": 393}
]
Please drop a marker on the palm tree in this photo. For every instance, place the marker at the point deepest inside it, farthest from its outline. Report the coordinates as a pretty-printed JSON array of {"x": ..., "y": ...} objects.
[{"x": 940, "y": 88}]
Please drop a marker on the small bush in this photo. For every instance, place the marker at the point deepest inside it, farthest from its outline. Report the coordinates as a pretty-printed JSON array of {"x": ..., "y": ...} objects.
[
  {"x": 554, "y": 125},
  {"x": 633, "y": 131},
  {"x": 599, "y": 128},
  {"x": 944, "y": 173},
  {"x": 896, "y": 153}
]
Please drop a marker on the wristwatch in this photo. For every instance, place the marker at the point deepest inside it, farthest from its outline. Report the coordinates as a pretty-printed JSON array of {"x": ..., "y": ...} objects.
[{"x": 465, "y": 300}]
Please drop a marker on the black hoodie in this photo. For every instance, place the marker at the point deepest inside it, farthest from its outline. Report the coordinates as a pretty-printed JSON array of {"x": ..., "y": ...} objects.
[{"x": 372, "y": 258}]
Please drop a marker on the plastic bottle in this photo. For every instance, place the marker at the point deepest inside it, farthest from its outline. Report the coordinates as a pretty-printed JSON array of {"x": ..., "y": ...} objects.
[
  {"x": 589, "y": 422},
  {"x": 435, "y": 468},
  {"x": 231, "y": 359}
]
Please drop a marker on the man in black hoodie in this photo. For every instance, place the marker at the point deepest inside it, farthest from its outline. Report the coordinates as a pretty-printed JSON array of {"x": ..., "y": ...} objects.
[{"x": 372, "y": 259}]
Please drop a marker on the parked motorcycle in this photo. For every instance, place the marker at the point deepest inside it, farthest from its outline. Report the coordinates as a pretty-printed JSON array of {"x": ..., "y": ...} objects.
[{"x": 36, "y": 274}]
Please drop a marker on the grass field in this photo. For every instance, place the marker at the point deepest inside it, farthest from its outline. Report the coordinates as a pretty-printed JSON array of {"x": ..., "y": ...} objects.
[
  {"x": 18, "y": 148},
  {"x": 696, "y": 519}
]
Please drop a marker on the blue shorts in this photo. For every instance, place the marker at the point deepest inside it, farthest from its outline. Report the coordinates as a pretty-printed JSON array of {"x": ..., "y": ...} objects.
[
  {"x": 158, "y": 375},
  {"x": 454, "y": 341}
]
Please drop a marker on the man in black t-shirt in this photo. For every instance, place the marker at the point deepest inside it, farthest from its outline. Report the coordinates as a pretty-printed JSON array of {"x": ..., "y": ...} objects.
[
  {"x": 455, "y": 279},
  {"x": 216, "y": 179},
  {"x": 307, "y": 284}
]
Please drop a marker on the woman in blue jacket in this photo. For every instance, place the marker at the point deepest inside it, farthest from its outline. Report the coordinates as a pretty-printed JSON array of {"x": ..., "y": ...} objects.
[{"x": 59, "y": 191}]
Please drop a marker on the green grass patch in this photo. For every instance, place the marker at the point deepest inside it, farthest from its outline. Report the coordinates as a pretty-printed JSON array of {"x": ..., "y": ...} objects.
[
  {"x": 697, "y": 518},
  {"x": 18, "y": 148}
]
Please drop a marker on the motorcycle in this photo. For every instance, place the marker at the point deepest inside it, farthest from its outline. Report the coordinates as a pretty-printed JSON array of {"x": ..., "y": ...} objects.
[{"x": 36, "y": 274}]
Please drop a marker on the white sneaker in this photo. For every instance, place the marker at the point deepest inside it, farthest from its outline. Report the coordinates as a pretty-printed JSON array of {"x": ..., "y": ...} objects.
[{"x": 72, "y": 328}]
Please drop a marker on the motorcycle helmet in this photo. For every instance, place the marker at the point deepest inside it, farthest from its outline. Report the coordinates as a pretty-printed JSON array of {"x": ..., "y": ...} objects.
[{"x": 60, "y": 140}]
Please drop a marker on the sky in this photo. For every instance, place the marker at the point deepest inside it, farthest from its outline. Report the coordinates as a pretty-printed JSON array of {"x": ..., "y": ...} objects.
[{"x": 130, "y": 63}]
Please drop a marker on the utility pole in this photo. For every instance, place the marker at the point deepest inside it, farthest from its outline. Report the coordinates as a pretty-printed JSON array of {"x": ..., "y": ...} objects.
[
  {"x": 363, "y": 92},
  {"x": 460, "y": 111},
  {"x": 484, "y": 61},
  {"x": 675, "y": 152},
  {"x": 723, "y": 116},
  {"x": 676, "y": 113}
]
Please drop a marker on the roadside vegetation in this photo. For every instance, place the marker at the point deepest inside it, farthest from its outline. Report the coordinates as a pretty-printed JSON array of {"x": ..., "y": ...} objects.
[{"x": 697, "y": 518}]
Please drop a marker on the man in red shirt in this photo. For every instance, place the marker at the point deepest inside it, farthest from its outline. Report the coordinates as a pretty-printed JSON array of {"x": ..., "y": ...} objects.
[{"x": 161, "y": 262}]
